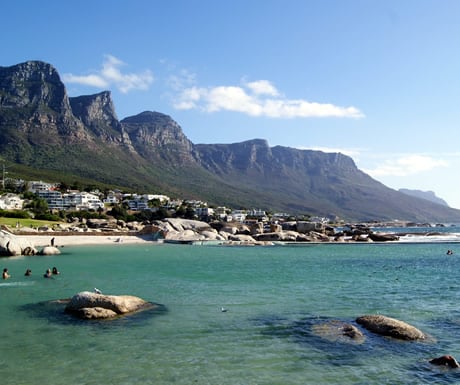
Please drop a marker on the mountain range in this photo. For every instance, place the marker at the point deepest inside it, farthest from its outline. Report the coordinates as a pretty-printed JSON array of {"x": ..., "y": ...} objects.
[{"x": 46, "y": 134}]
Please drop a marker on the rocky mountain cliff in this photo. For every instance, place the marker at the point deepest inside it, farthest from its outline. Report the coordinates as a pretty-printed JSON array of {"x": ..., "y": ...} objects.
[{"x": 46, "y": 134}]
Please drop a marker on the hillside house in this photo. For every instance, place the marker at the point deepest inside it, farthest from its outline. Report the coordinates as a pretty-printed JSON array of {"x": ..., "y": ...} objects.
[{"x": 11, "y": 202}]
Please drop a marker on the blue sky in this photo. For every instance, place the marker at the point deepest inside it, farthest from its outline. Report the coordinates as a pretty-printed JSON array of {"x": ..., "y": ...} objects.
[{"x": 376, "y": 80}]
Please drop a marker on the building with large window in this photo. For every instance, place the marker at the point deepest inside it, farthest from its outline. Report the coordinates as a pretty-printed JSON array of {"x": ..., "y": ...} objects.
[{"x": 70, "y": 201}]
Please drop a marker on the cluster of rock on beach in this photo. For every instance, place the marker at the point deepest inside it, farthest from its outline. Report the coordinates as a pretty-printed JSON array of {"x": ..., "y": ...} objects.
[
  {"x": 177, "y": 230},
  {"x": 183, "y": 230}
]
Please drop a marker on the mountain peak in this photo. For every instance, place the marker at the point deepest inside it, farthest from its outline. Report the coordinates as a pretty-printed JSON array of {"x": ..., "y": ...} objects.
[
  {"x": 32, "y": 84},
  {"x": 148, "y": 117},
  {"x": 157, "y": 135},
  {"x": 96, "y": 112}
]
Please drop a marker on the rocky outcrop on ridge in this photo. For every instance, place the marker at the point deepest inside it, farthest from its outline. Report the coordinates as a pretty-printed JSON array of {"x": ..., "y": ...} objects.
[
  {"x": 34, "y": 101},
  {"x": 97, "y": 112},
  {"x": 149, "y": 131}
]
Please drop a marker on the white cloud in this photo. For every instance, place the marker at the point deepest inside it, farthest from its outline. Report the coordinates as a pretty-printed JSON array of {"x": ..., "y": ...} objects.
[
  {"x": 262, "y": 87},
  {"x": 406, "y": 165},
  {"x": 181, "y": 80},
  {"x": 259, "y": 98},
  {"x": 88, "y": 80},
  {"x": 111, "y": 75}
]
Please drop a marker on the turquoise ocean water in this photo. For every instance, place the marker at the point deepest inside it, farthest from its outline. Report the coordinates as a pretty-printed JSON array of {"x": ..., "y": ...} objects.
[{"x": 274, "y": 296}]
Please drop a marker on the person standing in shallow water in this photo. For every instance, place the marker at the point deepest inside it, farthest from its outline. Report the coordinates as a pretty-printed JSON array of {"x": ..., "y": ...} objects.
[{"x": 5, "y": 274}]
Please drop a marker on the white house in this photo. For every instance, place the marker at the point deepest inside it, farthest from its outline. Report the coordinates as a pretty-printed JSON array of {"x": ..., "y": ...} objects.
[
  {"x": 238, "y": 215},
  {"x": 204, "y": 211},
  {"x": 11, "y": 202}
]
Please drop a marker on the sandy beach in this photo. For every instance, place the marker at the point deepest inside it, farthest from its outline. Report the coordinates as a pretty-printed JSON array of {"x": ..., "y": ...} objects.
[{"x": 73, "y": 240}]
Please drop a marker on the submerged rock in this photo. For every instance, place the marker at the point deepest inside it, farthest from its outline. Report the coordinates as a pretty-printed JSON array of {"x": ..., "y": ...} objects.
[
  {"x": 390, "y": 327},
  {"x": 89, "y": 305},
  {"x": 338, "y": 331}
]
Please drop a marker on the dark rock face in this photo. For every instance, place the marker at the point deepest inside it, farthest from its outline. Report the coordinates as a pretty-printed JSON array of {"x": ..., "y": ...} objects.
[
  {"x": 390, "y": 327},
  {"x": 32, "y": 84},
  {"x": 96, "y": 112},
  {"x": 34, "y": 107}
]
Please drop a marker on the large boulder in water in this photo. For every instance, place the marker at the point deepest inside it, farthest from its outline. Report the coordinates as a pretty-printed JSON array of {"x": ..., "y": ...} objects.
[
  {"x": 94, "y": 305},
  {"x": 50, "y": 250},
  {"x": 390, "y": 327}
]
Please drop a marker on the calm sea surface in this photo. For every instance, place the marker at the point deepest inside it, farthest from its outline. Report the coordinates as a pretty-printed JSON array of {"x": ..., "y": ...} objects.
[{"x": 275, "y": 296}]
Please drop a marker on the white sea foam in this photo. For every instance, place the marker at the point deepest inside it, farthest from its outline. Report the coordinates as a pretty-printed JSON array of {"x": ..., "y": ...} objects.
[
  {"x": 6, "y": 284},
  {"x": 421, "y": 238}
]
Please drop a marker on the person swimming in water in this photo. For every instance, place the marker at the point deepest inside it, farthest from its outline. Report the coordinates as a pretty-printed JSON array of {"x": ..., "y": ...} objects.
[
  {"x": 28, "y": 272},
  {"x": 55, "y": 271},
  {"x": 47, "y": 274},
  {"x": 5, "y": 274}
]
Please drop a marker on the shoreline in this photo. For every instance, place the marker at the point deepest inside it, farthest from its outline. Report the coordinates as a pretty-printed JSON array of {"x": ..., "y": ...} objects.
[
  {"x": 63, "y": 239},
  {"x": 40, "y": 241}
]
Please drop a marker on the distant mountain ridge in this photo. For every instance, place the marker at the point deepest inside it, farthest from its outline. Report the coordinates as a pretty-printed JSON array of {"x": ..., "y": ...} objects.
[
  {"x": 428, "y": 195},
  {"x": 45, "y": 132}
]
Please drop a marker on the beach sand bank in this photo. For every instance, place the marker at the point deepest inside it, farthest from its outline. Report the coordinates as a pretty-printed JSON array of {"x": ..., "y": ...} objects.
[{"x": 80, "y": 240}]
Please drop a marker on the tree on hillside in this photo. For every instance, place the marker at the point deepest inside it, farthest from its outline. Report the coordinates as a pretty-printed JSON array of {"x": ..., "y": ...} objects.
[{"x": 39, "y": 207}]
